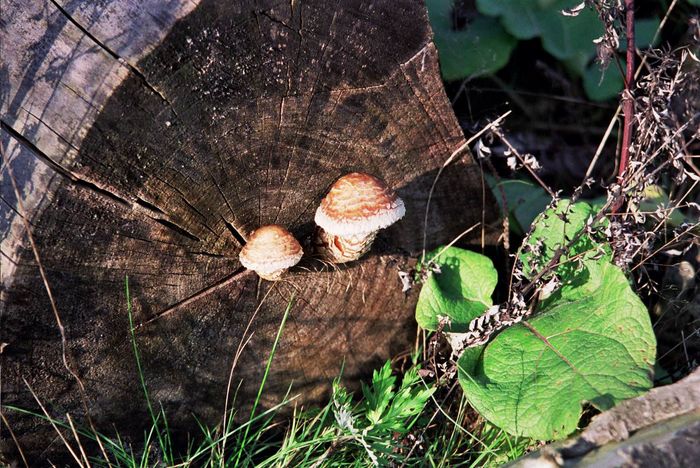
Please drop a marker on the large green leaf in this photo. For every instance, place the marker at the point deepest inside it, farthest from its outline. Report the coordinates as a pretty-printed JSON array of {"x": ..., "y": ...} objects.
[
  {"x": 565, "y": 36},
  {"x": 644, "y": 32},
  {"x": 519, "y": 17},
  {"x": 481, "y": 47},
  {"x": 562, "y": 36},
  {"x": 593, "y": 343},
  {"x": 601, "y": 85},
  {"x": 461, "y": 291},
  {"x": 524, "y": 201},
  {"x": 554, "y": 229}
]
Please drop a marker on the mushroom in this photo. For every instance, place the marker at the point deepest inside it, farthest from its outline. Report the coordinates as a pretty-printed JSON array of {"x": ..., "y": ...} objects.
[
  {"x": 355, "y": 208},
  {"x": 270, "y": 251}
]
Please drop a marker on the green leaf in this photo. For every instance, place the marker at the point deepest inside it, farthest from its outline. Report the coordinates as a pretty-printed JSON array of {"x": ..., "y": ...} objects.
[
  {"x": 408, "y": 402},
  {"x": 654, "y": 198},
  {"x": 461, "y": 291},
  {"x": 601, "y": 85},
  {"x": 644, "y": 31},
  {"x": 479, "y": 48},
  {"x": 591, "y": 344},
  {"x": 378, "y": 396},
  {"x": 577, "y": 64},
  {"x": 564, "y": 36},
  {"x": 555, "y": 229},
  {"x": 388, "y": 410},
  {"x": 524, "y": 200},
  {"x": 519, "y": 17}
]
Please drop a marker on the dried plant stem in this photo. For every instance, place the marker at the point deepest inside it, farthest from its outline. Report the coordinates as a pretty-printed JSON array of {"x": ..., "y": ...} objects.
[
  {"x": 53, "y": 424},
  {"x": 77, "y": 439},
  {"x": 14, "y": 438},
  {"x": 627, "y": 98},
  {"x": 64, "y": 342},
  {"x": 517, "y": 154},
  {"x": 611, "y": 125},
  {"x": 245, "y": 339},
  {"x": 458, "y": 152}
]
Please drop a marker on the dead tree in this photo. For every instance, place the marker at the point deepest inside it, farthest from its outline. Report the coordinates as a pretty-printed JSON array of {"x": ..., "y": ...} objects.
[{"x": 148, "y": 138}]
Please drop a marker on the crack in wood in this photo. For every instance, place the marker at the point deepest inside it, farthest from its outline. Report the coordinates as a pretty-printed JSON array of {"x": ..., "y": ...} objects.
[
  {"x": 232, "y": 278},
  {"x": 74, "y": 179},
  {"x": 58, "y": 135},
  {"x": 235, "y": 232},
  {"x": 176, "y": 228},
  {"x": 148, "y": 205},
  {"x": 135, "y": 71}
]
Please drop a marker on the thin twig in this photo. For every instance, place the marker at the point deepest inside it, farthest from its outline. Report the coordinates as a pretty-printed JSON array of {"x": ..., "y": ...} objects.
[
  {"x": 77, "y": 439},
  {"x": 517, "y": 154},
  {"x": 241, "y": 346},
  {"x": 64, "y": 354},
  {"x": 447, "y": 162},
  {"x": 453, "y": 241},
  {"x": 601, "y": 145},
  {"x": 627, "y": 96},
  {"x": 14, "y": 438},
  {"x": 50, "y": 419}
]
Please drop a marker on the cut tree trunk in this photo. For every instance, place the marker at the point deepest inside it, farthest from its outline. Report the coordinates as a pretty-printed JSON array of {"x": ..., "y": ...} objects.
[{"x": 149, "y": 138}]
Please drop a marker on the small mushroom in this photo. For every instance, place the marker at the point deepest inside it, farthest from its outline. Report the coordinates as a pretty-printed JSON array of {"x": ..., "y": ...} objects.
[
  {"x": 355, "y": 208},
  {"x": 270, "y": 251}
]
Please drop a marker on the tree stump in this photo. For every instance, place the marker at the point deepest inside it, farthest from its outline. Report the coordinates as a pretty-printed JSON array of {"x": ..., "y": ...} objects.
[{"x": 149, "y": 138}]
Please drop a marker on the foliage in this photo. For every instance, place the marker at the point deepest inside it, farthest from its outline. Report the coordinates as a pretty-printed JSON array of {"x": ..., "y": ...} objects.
[
  {"x": 562, "y": 36},
  {"x": 592, "y": 343},
  {"x": 387, "y": 409},
  {"x": 479, "y": 49},
  {"x": 342, "y": 433},
  {"x": 601, "y": 83},
  {"x": 485, "y": 44},
  {"x": 384, "y": 411},
  {"x": 520, "y": 200},
  {"x": 589, "y": 341},
  {"x": 461, "y": 292},
  {"x": 554, "y": 230}
]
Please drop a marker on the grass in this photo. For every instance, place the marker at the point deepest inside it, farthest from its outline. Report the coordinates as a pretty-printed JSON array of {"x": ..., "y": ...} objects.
[{"x": 398, "y": 421}]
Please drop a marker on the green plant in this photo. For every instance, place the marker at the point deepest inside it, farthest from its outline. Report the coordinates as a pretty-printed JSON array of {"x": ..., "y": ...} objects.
[
  {"x": 519, "y": 199},
  {"x": 589, "y": 337},
  {"x": 344, "y": 432},
  {"x": 479, "y": 49},
  {"x": 384, "y": 411},
  {"x": 484, "y": 45}
]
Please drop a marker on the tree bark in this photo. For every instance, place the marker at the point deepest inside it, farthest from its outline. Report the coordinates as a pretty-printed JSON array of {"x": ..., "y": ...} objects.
[{"x": 148, "y": 139}]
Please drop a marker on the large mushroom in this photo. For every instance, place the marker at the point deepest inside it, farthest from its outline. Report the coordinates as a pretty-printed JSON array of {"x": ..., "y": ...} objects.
[
  {"x": 270, "y": 251},
  {"x": 355, "y": 208}
]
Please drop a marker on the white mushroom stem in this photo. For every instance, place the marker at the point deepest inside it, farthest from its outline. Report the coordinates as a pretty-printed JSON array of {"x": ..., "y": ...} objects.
[
  {"x": 342, "y": 249},
  {"x": 271, "y": 275}
]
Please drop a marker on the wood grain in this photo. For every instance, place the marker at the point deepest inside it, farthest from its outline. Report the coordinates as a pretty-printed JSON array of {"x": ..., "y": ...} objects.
[{"x": 149, "y": 141}]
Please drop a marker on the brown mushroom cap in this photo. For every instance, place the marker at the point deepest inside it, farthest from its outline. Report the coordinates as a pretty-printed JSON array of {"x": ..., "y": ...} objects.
[
  {"x": 269, "y": 249},
  {"x": 358, "y": 204}
]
